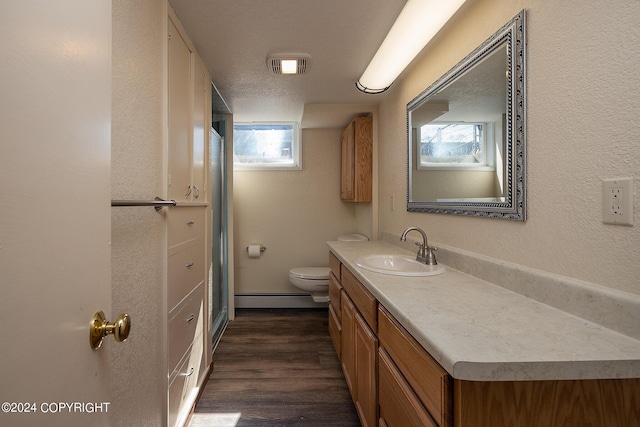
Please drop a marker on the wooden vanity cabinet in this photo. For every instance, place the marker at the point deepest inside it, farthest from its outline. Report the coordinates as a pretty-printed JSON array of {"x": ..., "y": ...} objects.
[
  {"x": 395, "y": 382},
  {"x": 356, "y": 160}
]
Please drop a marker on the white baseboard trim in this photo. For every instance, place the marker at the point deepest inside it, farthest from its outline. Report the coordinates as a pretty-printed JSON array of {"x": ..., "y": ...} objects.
[{"x": 276, "y": 301}]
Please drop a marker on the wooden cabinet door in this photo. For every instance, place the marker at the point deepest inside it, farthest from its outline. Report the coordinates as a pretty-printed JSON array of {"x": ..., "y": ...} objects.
[
  {"x": 366, "y": 345},
  {"x": 348, "y": 342},
  {"x": 356, "y": 162},
  {"x": 347, "y": 176},
  {"x": 179, "y": 151},
  {"x": 399, "y": 406}
]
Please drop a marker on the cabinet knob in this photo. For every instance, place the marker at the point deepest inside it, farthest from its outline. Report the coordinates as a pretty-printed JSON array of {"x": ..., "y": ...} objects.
[{"x": 191, "y": 264}]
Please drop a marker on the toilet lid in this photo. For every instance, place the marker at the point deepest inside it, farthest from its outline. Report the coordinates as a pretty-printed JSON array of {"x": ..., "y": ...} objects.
[{"x": 312, "y": 273}]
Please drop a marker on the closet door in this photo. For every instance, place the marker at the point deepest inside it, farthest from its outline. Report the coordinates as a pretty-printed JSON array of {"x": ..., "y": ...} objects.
[
  {"x": 180, "y": 128},
  {"x": 201, "y": 126}
]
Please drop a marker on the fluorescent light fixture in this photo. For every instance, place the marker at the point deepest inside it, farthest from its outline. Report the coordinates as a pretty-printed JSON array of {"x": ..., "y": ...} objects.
[
  {"x": 418, "y": 22},
  {"x": 289, "y": 66}
]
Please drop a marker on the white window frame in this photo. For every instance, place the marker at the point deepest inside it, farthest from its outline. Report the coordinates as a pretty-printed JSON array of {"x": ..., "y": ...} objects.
[
  {"x": 296, "y": 148},
  {"x": 488, "y": 147}
]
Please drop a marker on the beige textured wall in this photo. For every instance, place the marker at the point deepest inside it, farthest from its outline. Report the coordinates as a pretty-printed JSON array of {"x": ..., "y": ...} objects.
[
  {"x": 583, "y": 98},
  {"x": 138, "y": 373},
  {"x": 292, "y": 213}
]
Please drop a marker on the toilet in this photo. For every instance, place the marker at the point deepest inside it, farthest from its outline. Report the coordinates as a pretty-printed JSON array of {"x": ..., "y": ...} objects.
[{"x": 315, "y": 280}]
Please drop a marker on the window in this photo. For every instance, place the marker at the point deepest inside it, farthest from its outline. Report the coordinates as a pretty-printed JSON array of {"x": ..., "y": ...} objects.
[
  {"x": 454, "y": 145},
  {"x": 266, "y": 146}
]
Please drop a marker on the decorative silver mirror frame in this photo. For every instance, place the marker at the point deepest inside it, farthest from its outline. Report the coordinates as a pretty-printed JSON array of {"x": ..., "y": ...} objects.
[{"x": 514, "y": 206}]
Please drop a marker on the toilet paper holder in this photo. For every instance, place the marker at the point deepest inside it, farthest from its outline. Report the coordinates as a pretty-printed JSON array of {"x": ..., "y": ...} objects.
[{"x": 262, "y": 248}]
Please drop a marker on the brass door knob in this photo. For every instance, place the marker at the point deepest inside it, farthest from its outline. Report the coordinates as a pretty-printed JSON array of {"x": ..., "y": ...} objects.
[{"x": 100, "y": 328}]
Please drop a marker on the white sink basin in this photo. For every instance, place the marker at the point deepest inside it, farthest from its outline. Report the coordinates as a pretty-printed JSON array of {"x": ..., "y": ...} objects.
[{"x": 398, "y": 265}]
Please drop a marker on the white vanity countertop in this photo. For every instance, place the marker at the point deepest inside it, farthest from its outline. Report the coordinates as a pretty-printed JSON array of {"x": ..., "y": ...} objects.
[{"x": 483, "y": 332}]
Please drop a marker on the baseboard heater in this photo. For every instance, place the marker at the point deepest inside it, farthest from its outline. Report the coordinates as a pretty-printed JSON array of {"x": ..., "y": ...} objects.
[{"x": 258, "y": 300}]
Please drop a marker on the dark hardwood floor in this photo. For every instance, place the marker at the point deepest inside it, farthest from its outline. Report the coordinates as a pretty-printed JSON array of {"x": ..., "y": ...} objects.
[{"x": 276, "y": 367}]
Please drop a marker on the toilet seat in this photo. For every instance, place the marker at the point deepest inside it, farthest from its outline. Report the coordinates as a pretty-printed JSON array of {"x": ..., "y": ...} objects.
[{"x": 310, "y": 273}]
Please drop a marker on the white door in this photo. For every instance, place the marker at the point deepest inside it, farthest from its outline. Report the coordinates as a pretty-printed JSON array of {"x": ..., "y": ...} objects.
[{"x": 55, "y": 113}]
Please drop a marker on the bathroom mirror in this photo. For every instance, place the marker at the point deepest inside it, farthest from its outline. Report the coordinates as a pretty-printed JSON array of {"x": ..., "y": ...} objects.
[{"x": 466, "y": 134}]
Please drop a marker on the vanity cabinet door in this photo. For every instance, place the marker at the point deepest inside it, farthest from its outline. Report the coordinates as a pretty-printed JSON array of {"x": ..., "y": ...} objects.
[
  {"x": 335, "y": 331},
  {"x": 366, "y": 400},
  {"x": 348, "y": 342},
  {"x": 431, "y": 384},
  {"x": 399, "y": 405},
  {"x": 360, "y": 362}
]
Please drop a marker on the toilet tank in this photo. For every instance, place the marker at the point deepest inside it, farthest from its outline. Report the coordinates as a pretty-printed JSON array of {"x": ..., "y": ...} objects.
[{"x": 355, "y": 237}]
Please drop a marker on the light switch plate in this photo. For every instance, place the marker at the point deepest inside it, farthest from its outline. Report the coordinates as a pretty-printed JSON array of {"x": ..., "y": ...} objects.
[{"x": 617, "y": 201}]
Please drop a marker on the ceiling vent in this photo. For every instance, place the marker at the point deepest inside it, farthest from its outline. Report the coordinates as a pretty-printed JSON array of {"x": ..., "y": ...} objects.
[{"x": 289, "y": 63}]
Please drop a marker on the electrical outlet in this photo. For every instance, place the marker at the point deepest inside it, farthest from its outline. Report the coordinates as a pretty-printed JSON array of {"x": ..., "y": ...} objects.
[{"x": 617, "y": 201}]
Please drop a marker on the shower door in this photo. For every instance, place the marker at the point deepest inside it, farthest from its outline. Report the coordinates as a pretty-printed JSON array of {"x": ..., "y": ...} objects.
[{"x": 218, "y": 294}]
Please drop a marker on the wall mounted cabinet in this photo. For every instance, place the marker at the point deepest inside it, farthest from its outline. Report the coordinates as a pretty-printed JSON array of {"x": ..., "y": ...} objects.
[{"x": 356, "y": 160}]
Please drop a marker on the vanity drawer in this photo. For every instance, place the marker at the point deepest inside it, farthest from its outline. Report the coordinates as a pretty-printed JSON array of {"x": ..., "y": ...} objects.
[
  {"x": 430, "y": 382},
  {"x": 184, "y": 224},
  {"x": 335, "y": 331},
  {"x": 335, "y": 290},
  {"x": 334, "y": 265},
  {"x": 399, "y": 406},
  {"x": 183, "y": 321},
  {"x": 361, "y": 297},
  {"x": 185, "y": 270}
]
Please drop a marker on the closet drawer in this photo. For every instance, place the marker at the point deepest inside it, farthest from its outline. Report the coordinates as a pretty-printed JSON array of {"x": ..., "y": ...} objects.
[
  {"x": 185, "y": 223},
  {"x": 430, "y": 382},
  {"x": 334, "y": 265},
  {"x": 186, "y": 269},
  {"x": 361, "y": 297},
  {"x": 335, "y": 331},
  {"x": 335, "y": 289},
  {"x": 399, "y": 406},
  {"x": 183, "y": 320},
  {"x": 183, "y": 383}
]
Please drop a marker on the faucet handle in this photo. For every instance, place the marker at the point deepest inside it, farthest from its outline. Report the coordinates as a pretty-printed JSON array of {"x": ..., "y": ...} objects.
[{"x": 430, "y": 257}]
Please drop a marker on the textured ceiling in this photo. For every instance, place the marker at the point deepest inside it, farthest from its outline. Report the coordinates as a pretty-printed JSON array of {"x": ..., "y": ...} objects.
[{"x": 234, "y": 38}]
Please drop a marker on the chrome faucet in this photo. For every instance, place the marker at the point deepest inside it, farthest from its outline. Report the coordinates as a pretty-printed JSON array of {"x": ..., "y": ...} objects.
[{"x": 425, "y": 252}]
